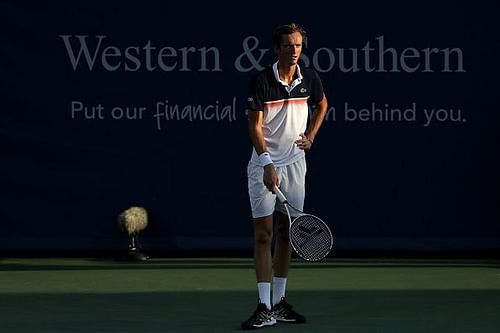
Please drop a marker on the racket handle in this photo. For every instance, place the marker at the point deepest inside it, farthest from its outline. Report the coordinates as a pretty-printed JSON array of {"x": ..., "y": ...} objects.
[{"x": 280, "y": 195}]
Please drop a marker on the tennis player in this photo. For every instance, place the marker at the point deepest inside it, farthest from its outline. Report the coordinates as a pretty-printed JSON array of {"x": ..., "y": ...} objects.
[{"x": 278, "y": 110}]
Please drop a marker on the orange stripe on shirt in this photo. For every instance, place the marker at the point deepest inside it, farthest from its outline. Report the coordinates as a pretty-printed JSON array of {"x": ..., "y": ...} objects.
[{"x": 281, "y": 102}]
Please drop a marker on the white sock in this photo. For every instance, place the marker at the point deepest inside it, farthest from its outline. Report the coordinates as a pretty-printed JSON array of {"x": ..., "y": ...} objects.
[
  {"x": 279, "y": 288},
  {"x": 265, "y": 293}
]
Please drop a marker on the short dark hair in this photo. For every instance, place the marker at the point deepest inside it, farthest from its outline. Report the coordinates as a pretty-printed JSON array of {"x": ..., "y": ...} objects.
[{"x": 287, "y": 29}]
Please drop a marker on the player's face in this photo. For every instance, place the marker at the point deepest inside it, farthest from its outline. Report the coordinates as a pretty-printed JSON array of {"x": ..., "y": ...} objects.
[{"x": 290, "y": 49}]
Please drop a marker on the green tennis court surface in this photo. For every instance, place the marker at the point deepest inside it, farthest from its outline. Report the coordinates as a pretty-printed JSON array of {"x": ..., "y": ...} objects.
[{"x": 215, "y": 295}]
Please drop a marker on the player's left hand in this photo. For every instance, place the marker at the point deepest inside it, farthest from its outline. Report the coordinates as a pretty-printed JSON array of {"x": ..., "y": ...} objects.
[{"x": 304, "y": 143}]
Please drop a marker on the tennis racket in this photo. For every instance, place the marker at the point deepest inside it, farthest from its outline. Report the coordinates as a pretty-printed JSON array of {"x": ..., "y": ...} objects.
[{"x": 310, "y": 237}]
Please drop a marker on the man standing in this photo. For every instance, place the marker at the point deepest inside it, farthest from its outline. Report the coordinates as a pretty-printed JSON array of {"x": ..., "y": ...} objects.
[{"x": 278, "y": 109}]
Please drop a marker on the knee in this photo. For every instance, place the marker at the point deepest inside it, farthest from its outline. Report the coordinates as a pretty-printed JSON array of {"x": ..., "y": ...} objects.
[
  {"x": 263, "y": 236},
  {"x": 282, "y": 234},
  {"x": 282, "y": 231}
]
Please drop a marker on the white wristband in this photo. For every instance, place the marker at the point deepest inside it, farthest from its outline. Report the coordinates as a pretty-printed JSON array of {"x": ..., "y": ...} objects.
[{"x": 265, "y": 159}]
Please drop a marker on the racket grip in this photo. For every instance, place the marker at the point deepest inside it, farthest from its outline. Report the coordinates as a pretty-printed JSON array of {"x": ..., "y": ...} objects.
[{"x": 280, "y": 195}]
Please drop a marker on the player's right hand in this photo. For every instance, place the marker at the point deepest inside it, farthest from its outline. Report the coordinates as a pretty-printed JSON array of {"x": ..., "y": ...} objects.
[{"x": 270, "y": 177}]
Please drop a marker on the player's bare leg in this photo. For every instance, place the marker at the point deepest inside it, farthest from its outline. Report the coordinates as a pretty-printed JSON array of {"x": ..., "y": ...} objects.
[
  {"x": 263, "y": 235},
  {"x": 282, "y": 248},
  {"x": 282, "y": 310}
]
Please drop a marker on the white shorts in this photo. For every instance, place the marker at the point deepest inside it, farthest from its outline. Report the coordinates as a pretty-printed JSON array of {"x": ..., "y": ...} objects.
[{"x": 292, "y": 179}]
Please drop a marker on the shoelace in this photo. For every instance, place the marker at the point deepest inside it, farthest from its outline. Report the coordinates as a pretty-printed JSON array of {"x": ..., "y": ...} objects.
[
  {"x": 261, "y": 314},
  {"x": 285, "y": 308}
]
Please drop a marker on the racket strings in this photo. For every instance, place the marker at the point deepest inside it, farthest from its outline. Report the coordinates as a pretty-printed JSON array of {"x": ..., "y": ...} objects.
[{"x": 310, "y": 237}]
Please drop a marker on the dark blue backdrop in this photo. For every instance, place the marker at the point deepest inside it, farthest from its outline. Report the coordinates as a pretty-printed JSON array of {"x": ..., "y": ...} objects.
[{"x": 427, "y": 182}]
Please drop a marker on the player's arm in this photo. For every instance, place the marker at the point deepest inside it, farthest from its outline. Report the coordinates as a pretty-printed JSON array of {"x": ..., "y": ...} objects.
[
  {"x": 317, "y": 118},
  {"x": 255, "y": 122}
]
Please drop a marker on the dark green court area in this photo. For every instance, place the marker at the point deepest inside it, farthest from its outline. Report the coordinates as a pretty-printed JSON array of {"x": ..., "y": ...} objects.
[{"x": 215, "y": 295}]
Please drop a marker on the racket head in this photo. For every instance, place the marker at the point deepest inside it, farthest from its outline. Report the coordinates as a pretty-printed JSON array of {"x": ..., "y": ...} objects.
[{"x": 310, "y": 237}]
